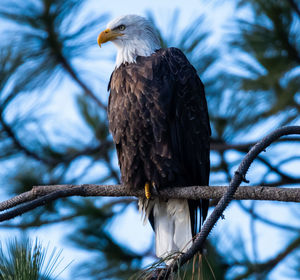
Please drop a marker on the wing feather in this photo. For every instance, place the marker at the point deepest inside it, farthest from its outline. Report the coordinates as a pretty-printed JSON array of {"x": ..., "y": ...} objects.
[{"x": 159, "y": 121}]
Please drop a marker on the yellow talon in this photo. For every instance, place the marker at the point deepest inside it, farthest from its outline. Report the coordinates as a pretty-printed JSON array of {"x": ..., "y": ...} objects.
[{"x": 147, "y": 190}]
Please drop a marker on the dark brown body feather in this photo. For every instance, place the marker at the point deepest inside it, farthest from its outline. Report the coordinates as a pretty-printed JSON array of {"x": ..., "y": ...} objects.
[{"x": 159, "y": 121}]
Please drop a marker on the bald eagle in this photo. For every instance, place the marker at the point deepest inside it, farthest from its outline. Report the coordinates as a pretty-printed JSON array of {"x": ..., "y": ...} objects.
[{"x": 158, "y": 118}]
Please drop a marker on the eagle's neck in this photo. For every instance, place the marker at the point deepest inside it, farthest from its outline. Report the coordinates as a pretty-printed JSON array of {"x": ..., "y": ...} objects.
[{"x": 129, "y": 50}]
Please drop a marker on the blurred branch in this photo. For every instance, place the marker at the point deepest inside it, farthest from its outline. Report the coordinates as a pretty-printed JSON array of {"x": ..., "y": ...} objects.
[
  {"x": 284, "y": 161},
  {"x": 47, "y": 40},
  {"x": 55, "y": 45},
  {"x": 282, "y": 182},
  {"x": 224, "y": 166},
  {"x": 73, "y": 74},
  {"x": 100, "y": 149},
  {"x": 20, "y": 145},
  {"x": 253, "y": 234},
  {"x": 38, "y": 223},
  {"x": 113, "y": 172},
  {"x": 274, "y": 169},
  {"x": 267, "y": 221},
  {"x": 294, "y": 6},
  {"x": 269, "y": 265},
  {"x": 222, "y": 146}
]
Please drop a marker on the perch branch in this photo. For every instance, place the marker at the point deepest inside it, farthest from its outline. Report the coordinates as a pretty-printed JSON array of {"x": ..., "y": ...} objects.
[{"x": 41, "y": 195}]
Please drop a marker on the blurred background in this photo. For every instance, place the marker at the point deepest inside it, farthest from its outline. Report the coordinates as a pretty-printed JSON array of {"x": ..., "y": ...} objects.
[{"x": 53, "y": 130}]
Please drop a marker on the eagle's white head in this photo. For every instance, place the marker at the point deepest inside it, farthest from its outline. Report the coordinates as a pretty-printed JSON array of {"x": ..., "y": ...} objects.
[{"x": 133, "y": 36}]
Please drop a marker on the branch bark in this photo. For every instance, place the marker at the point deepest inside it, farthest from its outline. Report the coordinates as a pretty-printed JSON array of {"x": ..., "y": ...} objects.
[{"x": 41, "y": 195}]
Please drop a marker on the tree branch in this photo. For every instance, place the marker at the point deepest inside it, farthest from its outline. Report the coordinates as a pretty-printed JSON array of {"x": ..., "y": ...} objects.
[
  {"x": 274, "y": 169},
  {"x": 75, "y": 77},
  {"x": 238, "y": 177},
  {"x": 20, "y": 145},
  {"x": 39, "y": 223},
  {"x": 269, "y": 265},
  {"x": 56, "y": 47},
  {"x": 295, "y": 7},
  {"x": 41, "y": 195},
  {"x": 267, "y": 221},
  {"x": 223, "y": 146},
  {"x": 281, "y": 182},
  {"x": 100, "y": 149}
]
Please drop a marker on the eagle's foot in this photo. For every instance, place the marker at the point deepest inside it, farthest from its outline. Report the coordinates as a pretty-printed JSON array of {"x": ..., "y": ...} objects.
[{"x": 147, "y": 190}]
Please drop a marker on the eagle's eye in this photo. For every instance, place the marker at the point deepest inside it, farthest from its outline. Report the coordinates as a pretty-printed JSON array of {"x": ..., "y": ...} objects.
[{"x": 122, "y": 27}]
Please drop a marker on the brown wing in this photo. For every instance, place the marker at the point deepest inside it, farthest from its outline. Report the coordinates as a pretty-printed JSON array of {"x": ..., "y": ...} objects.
[{"x": 159, "y": 121}]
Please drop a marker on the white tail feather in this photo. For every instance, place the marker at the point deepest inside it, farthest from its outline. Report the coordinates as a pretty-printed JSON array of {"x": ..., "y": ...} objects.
[{"x": 172, "y": 227}]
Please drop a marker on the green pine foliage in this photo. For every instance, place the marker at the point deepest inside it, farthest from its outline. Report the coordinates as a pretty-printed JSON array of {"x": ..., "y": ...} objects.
[
  {"x": 27, "y": 260},
  {"x": 270, "y": 40}
]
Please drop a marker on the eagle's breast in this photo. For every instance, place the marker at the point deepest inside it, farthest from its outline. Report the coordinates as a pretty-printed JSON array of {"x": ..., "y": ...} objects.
[{"x": 138, "y": 120}]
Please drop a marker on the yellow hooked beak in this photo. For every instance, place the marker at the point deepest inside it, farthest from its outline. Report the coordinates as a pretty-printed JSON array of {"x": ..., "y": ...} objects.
[{"x": 107, "y": 35}]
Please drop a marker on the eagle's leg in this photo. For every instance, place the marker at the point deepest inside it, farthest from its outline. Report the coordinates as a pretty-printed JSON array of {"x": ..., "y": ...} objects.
[{"x": 147, "y": 190}]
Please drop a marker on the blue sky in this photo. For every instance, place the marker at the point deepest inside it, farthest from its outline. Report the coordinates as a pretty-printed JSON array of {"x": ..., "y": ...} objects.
[{"x": 219, "y": 15}]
